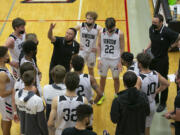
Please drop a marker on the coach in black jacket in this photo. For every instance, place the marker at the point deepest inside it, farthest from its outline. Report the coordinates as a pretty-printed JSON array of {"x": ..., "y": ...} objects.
[{"x": 130, "y": 109}]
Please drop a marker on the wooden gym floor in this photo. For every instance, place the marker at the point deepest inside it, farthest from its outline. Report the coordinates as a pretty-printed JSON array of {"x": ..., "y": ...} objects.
[{"x": 39, "y": 16}]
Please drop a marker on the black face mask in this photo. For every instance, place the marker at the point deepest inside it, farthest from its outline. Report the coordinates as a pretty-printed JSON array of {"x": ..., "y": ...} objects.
[
  {"x": 89, "y": 24},
  {"x": 7, "y": 61},
  {"x": 154, "y": 26},
  {"x": 21, "y": 32}
]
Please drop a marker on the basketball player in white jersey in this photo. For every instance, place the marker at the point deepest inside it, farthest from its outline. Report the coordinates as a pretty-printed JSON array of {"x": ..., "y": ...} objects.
[
  {"x": 87, "y": 82},
  {"x": 89, "y": 32},
  {"x": 19, "y": 84},
  {"x": 110, "y": 48},
  {"x": 30, "y": 107},
  {"x": 6, "y": 89},
  {"x": 149, "y": 85},
  {"x": 63, "y": 112},
  {"x": 30, "y": 51},
  {"x": 58, "y": 88},
  {"x": 127, "y": 60},
  {"x": 14, "y": 43}
]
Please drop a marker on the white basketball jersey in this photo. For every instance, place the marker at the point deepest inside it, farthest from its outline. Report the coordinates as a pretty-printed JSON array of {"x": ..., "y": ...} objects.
[
  {"x": 23, "y": 60},
  {"x": 66, "y": 112},
  {"x": 15, "y": 52},
  {"x": 19, "y": 84},
  {"x": 88, "y": 37},
  {"x": 134, "y": 68},
  {"x": 10, "y": 85},
  {"x": 53, "y": 90},
  {"x": 110, "y": 45},
  {"x": 84, "y": 88},
  {"x": 149, "y": 84}
]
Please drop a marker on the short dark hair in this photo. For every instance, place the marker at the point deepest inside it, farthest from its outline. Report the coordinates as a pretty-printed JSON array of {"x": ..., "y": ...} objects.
[
  {"x": 71, "y": 81},
  {"x": 129, "y": 79},
  {"x": 29, "y": 46},
  {"x": 128, "y": 57},
  {"x": 3, "y": 51},
  {"x": 83, "y": 111},
  {"x": 78, "y": 63},
  {"x": 144, "y": 59},
  {"x": 58, "y": 73},
  {"x": 26, "y": 67},
  {"x": 160, "y": 17},
  {"x": 92, "y": 14},
  {"x": 74, "y": 30},
  {"x": 18, "y": 22},
  {"x": 28, "y": 77},
  {"x": 110, "y": 23}
]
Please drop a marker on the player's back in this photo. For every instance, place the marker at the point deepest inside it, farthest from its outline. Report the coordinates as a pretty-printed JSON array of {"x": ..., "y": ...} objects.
[
  {"x": 66, "y": 112},
  {"x": 49, "y": 92},
  {"x": 84, "y": 88},
  {"x": 149, "y": 84},
  {"x": 29, "y": 105},
  {"x": 134, "y": 68}
]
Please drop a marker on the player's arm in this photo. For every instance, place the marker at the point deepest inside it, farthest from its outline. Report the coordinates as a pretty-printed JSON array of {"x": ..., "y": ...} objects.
[
  {"x": 99, "y": 50},
  {"x": 53, "y": 112},
  {"x": 77, "y": 27},
  {"x": 3, "y": 80},
  {"x": 95, "y": 86},
  {"x": 9, "y": 43},
  {"x": 50, "y": 33},
  {"x": 149, "y": 46},
  {"x": 121, "y": 37},
  {"x": 15, "y": 116},
  {"x": 85, "y": 100},
  {"x": 138, "y": 83},
  {"x": 163, "y": 83}
]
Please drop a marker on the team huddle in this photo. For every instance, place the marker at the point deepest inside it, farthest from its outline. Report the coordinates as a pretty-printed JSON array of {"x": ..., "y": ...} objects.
[{"x": 64, "y": 106}]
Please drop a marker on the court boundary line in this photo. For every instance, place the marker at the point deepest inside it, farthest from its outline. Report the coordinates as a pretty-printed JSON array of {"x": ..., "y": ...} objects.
[
  {"x": 7, "y": 17},
  {"x": 46, "y": 20},
  {"x": 127, "y": 25}
]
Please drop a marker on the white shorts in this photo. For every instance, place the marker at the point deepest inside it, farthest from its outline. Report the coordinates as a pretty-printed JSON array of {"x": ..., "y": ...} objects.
[
  {"x": 6, "y": 109},
  {"x": 89, "y": 58},
  {"x": 152, "y": 112},
  {"x": 58, "y": 132},
  {"x": 109, "y": 63}
]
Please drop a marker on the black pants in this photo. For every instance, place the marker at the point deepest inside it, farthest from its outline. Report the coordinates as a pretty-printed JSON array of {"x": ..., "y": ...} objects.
[
  {"x": 161, "y": 65},
  {"x": 177, "y": 130}
]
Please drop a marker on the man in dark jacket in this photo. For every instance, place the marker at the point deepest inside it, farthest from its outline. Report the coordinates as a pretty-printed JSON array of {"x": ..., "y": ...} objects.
[{"x": 130, "y": 109}]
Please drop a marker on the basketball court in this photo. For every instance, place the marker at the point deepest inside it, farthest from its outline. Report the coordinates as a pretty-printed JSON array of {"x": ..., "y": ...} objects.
[{"x": 68, "y": 13}]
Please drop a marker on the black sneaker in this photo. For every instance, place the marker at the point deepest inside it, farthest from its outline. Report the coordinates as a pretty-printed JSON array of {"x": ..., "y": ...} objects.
[{"x": 160, "y": 108}]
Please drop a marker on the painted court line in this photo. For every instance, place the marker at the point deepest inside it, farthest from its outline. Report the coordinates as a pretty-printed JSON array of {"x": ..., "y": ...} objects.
[
  {"x": 46, "y": 20},
  {"x": 7, "y": 17}
]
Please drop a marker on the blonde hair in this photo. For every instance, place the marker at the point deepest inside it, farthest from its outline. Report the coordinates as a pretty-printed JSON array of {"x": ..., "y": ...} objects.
[
  {"x": 31, "y": 36},
  {"x": 92, "y": 14}
]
